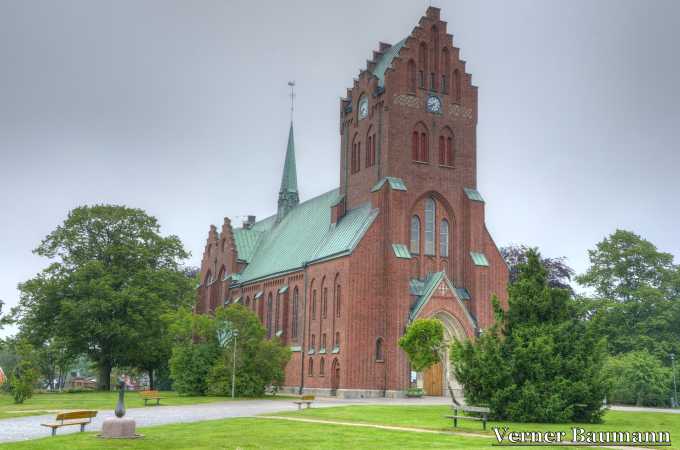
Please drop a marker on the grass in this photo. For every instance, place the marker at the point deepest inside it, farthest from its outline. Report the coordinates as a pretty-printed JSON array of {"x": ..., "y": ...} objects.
[
  {"x": 50, "y": 402},
  {"x": 249, "y": 433},
  {"x": 432, "y": 417}
]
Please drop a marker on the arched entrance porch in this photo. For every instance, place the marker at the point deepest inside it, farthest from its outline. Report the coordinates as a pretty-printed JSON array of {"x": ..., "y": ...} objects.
[{"x": 434, "y": 380}]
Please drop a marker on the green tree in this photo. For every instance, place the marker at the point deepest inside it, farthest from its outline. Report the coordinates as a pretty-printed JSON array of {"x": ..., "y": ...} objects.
[
  {"x": 637, "y": 296},
  {"x": 24, "y": 375},
  {"x": 259, "y": 362},
  {"x": 424, "y": 345},
  {"x": 638, "y": 378},
  {"x": 540, "y": 362},
  {"x": 112, "y": 276},
  {"x": 624, "y": 263}
]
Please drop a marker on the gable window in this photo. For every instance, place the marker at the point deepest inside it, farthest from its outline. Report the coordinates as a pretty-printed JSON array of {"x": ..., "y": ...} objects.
[
  {"x": 422, "y": 57},
  {"x": 444, "y": 239},
  {"x": 429, "y": 226},
  {"x": 411, "y": 76},
  {"x": 415, "y": 235}
]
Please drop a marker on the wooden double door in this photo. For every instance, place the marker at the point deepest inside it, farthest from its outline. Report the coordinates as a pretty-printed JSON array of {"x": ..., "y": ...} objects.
[{"x": 433, "y": 380}]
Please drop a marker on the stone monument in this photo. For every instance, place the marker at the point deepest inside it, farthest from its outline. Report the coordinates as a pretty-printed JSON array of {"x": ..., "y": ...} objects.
[{"x": 119, "y": 427}]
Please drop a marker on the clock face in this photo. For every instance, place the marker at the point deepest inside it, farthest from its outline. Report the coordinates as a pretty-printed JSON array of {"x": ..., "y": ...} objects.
[
  {"x": 434, "y": 104},
  {"x": 363, "y": 108}
]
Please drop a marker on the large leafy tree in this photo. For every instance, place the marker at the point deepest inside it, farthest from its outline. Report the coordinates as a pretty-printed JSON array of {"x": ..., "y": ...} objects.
[
  {"x": 636, "y": 305},
  {"x": 540, "y": 362},
  {"x": 112, "y": 278}
]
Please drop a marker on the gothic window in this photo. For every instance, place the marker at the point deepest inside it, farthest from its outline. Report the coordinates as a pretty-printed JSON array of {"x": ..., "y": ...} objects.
[
  {"x": 456, "y": 84},
  {"x": 444, "y": 239},
  {"x": 373, "y": 151},
  {"x": 442, "y": 150},
  {"x": 337, "y": 339},
  {"x": 312, "y": 346},
  {"x": 379, "y": 356},
  {"x": 338, "y": 301},
  {"x": 324, "y": 303},
  {"x": 322, "y": 367},
  {"x": 355, "y": 163},
  {"x": 323, "y": 341},
  {"x": 314, "y": 304},
  {"x": 435, "y": 48},
  {"x": 277, "y": 313},
  {"x": 269, "y": 316},
  {"x": 368, "y": 151},
  {"x": 449, "y": 151},
  {"x": 414, "y": 146},
  {"x": 358, "y": 163},
  {"x": 310, "y": 367},
  {"x": 433, "y": 78},
  {"x": 296, "y": 312},
  {"x": 424, "y": 151},
  {"x": 429, "y": 226},
  {"x": 411, "y": 75},
  {"x": 415, "y": 235}
]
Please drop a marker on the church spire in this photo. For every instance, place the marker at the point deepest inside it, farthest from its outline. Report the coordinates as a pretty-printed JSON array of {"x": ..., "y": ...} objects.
[{"x": 288, "y": 194}]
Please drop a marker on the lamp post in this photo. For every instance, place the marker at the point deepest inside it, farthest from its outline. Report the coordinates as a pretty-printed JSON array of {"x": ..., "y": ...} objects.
[{"x": 675, "y": 386}]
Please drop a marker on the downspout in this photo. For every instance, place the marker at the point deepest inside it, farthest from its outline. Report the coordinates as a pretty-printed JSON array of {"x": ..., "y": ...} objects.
[{"x": 304, "y": 331}]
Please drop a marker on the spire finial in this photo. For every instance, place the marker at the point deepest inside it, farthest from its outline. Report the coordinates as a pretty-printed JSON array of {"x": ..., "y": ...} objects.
[{"x": 292, "y": 99}]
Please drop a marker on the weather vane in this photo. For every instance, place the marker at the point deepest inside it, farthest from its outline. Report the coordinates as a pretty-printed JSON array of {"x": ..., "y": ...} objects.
[{"x": 292, "y": 98}]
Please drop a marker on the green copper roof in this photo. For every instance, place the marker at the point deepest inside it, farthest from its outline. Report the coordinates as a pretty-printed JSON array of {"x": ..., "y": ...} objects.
[
  {"x": 397, "y": 184},
  {"x": 423, "y": 290},
  {"x": 473, "y": 194},
  {"x": 463, "y": 293},
  {"x": 479, "y": 259},
  {"x": 305, "y": 235},
  {"x": 385, "y": 61},
  {"x": 401, "y": 251},
  {"x": 289, "y": 178}
]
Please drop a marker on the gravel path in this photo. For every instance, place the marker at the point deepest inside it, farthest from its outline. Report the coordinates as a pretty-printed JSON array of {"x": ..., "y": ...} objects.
[{"x": 25, "y": 428}]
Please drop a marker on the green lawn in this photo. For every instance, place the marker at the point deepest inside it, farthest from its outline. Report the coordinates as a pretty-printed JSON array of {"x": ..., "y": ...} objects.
[
  {"x": 258, "y": 433},
  {"x": 432, "y": 417},
  {"x": 47, "y": 403}
]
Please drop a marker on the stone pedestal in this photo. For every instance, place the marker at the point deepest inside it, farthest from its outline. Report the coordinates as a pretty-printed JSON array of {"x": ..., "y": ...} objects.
[{"x": 119, "y": 428}]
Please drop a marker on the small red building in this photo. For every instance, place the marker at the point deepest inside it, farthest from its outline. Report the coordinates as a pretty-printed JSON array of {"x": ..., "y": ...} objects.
[{"x": 340, "y": 276}]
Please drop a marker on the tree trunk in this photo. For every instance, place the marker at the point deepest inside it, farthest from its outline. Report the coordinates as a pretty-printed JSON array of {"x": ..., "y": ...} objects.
[
  {"x": 152, "y": 385},
  {"x": 104, "y": 376}
]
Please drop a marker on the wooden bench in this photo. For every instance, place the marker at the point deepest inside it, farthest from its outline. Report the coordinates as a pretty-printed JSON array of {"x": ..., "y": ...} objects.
[
  {"x": 481, "y": 413},
  {"x": 66, "y": 419},
  {"x": 308, "y": 399},
  {"x": 150, "y": 395}
]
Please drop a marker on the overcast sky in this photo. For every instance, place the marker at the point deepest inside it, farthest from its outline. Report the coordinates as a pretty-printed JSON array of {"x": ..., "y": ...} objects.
[{"x": 181, "y": 108}]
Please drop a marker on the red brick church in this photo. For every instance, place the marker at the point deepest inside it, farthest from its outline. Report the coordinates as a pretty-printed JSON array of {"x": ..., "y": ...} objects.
[{"x": 339, "y": 277}]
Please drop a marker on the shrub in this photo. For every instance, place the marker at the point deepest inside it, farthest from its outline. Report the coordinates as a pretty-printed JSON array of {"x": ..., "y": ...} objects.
[
  {"x": 638, "y": 378},
  {"x": 190, "y": 366}
]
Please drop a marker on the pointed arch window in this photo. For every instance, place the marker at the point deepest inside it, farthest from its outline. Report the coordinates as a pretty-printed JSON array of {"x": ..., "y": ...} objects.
[
  {"x": 424, "y": 151},
  {"x": 429, "y": 226},
  {"x": 415, "y": 235},
  {"x": 442, "y": 150},
  {"x": 422, "y": 59},
  {"x": 338, "y": 298},
  {"x": 446, "y": 63},
  {"x": 269, "y": 315},
  {"x": 324, "y": 302},
  {"x": 310, "y": 367},
  {"x": 322, "y": 367},
  {"x": 314, "y": 304},
  {"x": 277, "y": 313},
  {"x": 414, "y": 146},
  {"x": 444, "y": 239},
  {"x": 379, "y": 355},
  {"x": 296, "y": 313},
  {"x": 449, "y": 151}
]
